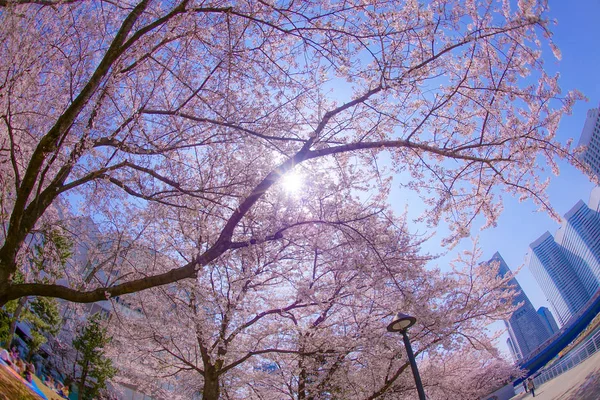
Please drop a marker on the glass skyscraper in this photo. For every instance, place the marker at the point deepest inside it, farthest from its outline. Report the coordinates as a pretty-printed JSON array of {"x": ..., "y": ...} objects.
[
  {"x": 579, "y": 235},
  {"x": 590, "y": 137},
  {"x": 557, "y": 278},
  {"x": 567, "y": 266},
  {"x": 526, "y": 328},
  {"x": 548, "y": 319},
  {"x": 513, "y": 350}
]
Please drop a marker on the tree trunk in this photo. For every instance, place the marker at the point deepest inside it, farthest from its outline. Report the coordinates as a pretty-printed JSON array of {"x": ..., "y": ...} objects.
[
  {"x": 82, "y": 382},
  {"x": 211, "y": 390},
  {"x": 14, "y": 320},
  {"x": 302, "y": 385}
]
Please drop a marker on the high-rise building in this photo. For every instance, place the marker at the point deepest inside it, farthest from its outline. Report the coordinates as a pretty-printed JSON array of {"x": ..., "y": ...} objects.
[
  {"x": 594, "y": 202},
  {"x": 590, "y": 137},
  {"x": 557, "y": 278},
  {"x": 526, "y": 328},
  {"x": 548, "y": 320},
  {"x": 567, "y": 266},
  {"x": 513, "y": 351},
  {"x": 579, "y": 235}
]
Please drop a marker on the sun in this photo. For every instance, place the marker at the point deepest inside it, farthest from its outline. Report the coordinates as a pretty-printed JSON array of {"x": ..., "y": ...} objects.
[{"x": 292, "y": 182}]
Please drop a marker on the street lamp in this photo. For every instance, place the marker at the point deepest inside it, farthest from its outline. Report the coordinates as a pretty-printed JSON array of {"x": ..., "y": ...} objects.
[{"x": 401, "y": 323}]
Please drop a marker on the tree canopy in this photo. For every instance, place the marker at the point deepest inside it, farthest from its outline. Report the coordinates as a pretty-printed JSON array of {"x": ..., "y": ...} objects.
[
  {"x": 257, "y": 326},
  {"x": 170, "y": 124},
  {"x": 146, "y": 146}
]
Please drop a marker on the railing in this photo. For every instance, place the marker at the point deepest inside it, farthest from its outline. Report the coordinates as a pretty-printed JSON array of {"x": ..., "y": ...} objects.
[{"x": 573, "y": 358}]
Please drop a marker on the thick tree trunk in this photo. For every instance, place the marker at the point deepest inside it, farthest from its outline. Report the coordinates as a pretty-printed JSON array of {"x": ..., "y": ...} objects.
[{"x": 211, "y": 390}]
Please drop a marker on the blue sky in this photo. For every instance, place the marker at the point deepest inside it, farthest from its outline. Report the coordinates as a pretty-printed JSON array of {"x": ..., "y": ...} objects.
[{"x": 577, "y": 35}]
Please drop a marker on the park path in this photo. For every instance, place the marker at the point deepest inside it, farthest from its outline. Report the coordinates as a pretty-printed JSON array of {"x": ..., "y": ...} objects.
[{"x": 579, "y": 383}]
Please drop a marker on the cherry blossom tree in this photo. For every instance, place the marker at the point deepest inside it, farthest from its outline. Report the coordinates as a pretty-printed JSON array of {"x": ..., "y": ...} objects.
[
  {"x": 363, "y": 363},
  {"x": 307, "y": 320},
  {"x": 173, "y": 123}
]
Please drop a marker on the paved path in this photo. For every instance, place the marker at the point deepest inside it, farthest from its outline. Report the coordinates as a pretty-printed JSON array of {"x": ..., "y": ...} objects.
[{"x": 579, "y": 383}]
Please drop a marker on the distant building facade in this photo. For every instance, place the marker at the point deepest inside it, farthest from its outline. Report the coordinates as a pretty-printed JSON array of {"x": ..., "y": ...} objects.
[
  {"x": 580, "y": 237},
  {"x": 557, "y": 278},
  {"x": 513, "y": 351},
  {"x": 548, "y": 319},
  {"x": 567, "y": 266},
  {"x": 526, "y": 328},
  {"x": 590, "y": 137}
]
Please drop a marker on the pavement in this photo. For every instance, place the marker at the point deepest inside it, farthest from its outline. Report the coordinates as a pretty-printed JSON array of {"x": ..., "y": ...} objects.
[{"x": 579, "y": 383}]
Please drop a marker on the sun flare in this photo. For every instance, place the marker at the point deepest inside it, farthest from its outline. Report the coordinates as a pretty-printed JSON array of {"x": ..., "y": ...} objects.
[{"x": 292, "y": 182}]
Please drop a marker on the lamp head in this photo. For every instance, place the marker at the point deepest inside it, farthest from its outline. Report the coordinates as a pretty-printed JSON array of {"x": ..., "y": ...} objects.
[{"x": 401, "y": 322}]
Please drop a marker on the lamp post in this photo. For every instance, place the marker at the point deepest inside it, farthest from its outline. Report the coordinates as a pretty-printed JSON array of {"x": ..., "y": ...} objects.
[{"x": 401, "y": 323}]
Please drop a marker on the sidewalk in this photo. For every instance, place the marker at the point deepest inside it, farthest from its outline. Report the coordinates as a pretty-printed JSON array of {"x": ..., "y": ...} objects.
[{"x": 580, "y": 383}]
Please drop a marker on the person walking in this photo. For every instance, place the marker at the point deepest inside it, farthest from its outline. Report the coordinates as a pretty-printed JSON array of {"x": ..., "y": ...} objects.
[{"x": 531, "y": 386}]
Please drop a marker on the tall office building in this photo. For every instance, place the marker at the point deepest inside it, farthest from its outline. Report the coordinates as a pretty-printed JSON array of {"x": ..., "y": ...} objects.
[
  {"x": 548, "y": 319},
  {"x": 557, "y": 278},
  {"x": 513, "y": 350},
  {"x": 594, "y": 203},
  {"x": 579, "y": 235},
  {"x": 590, "y": 137},
  {"x": 526, "y": 328},
  {"x": 567, "y": 266}
]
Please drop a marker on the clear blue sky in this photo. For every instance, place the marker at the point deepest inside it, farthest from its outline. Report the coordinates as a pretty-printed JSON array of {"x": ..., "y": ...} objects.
[{"x": 578, "y": 37}]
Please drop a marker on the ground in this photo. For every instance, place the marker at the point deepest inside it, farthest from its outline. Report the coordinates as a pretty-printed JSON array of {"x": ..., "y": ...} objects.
[
  {"x": 580, "y": 383},
  {"x": 12, "y": 389}
]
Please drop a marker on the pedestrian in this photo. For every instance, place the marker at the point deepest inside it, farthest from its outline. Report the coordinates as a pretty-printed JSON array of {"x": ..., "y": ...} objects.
[
  {"x": 531, "y": 386},
  {"x": 19, "y": 366},
  {"x": 525, "y": 385},
  {"x": 14, "y": 353},
  {"x": 29, "y": 372}
]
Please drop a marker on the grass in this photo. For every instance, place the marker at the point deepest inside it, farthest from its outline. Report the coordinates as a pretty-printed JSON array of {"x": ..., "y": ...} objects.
[{"x": 12, "y": 389}]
